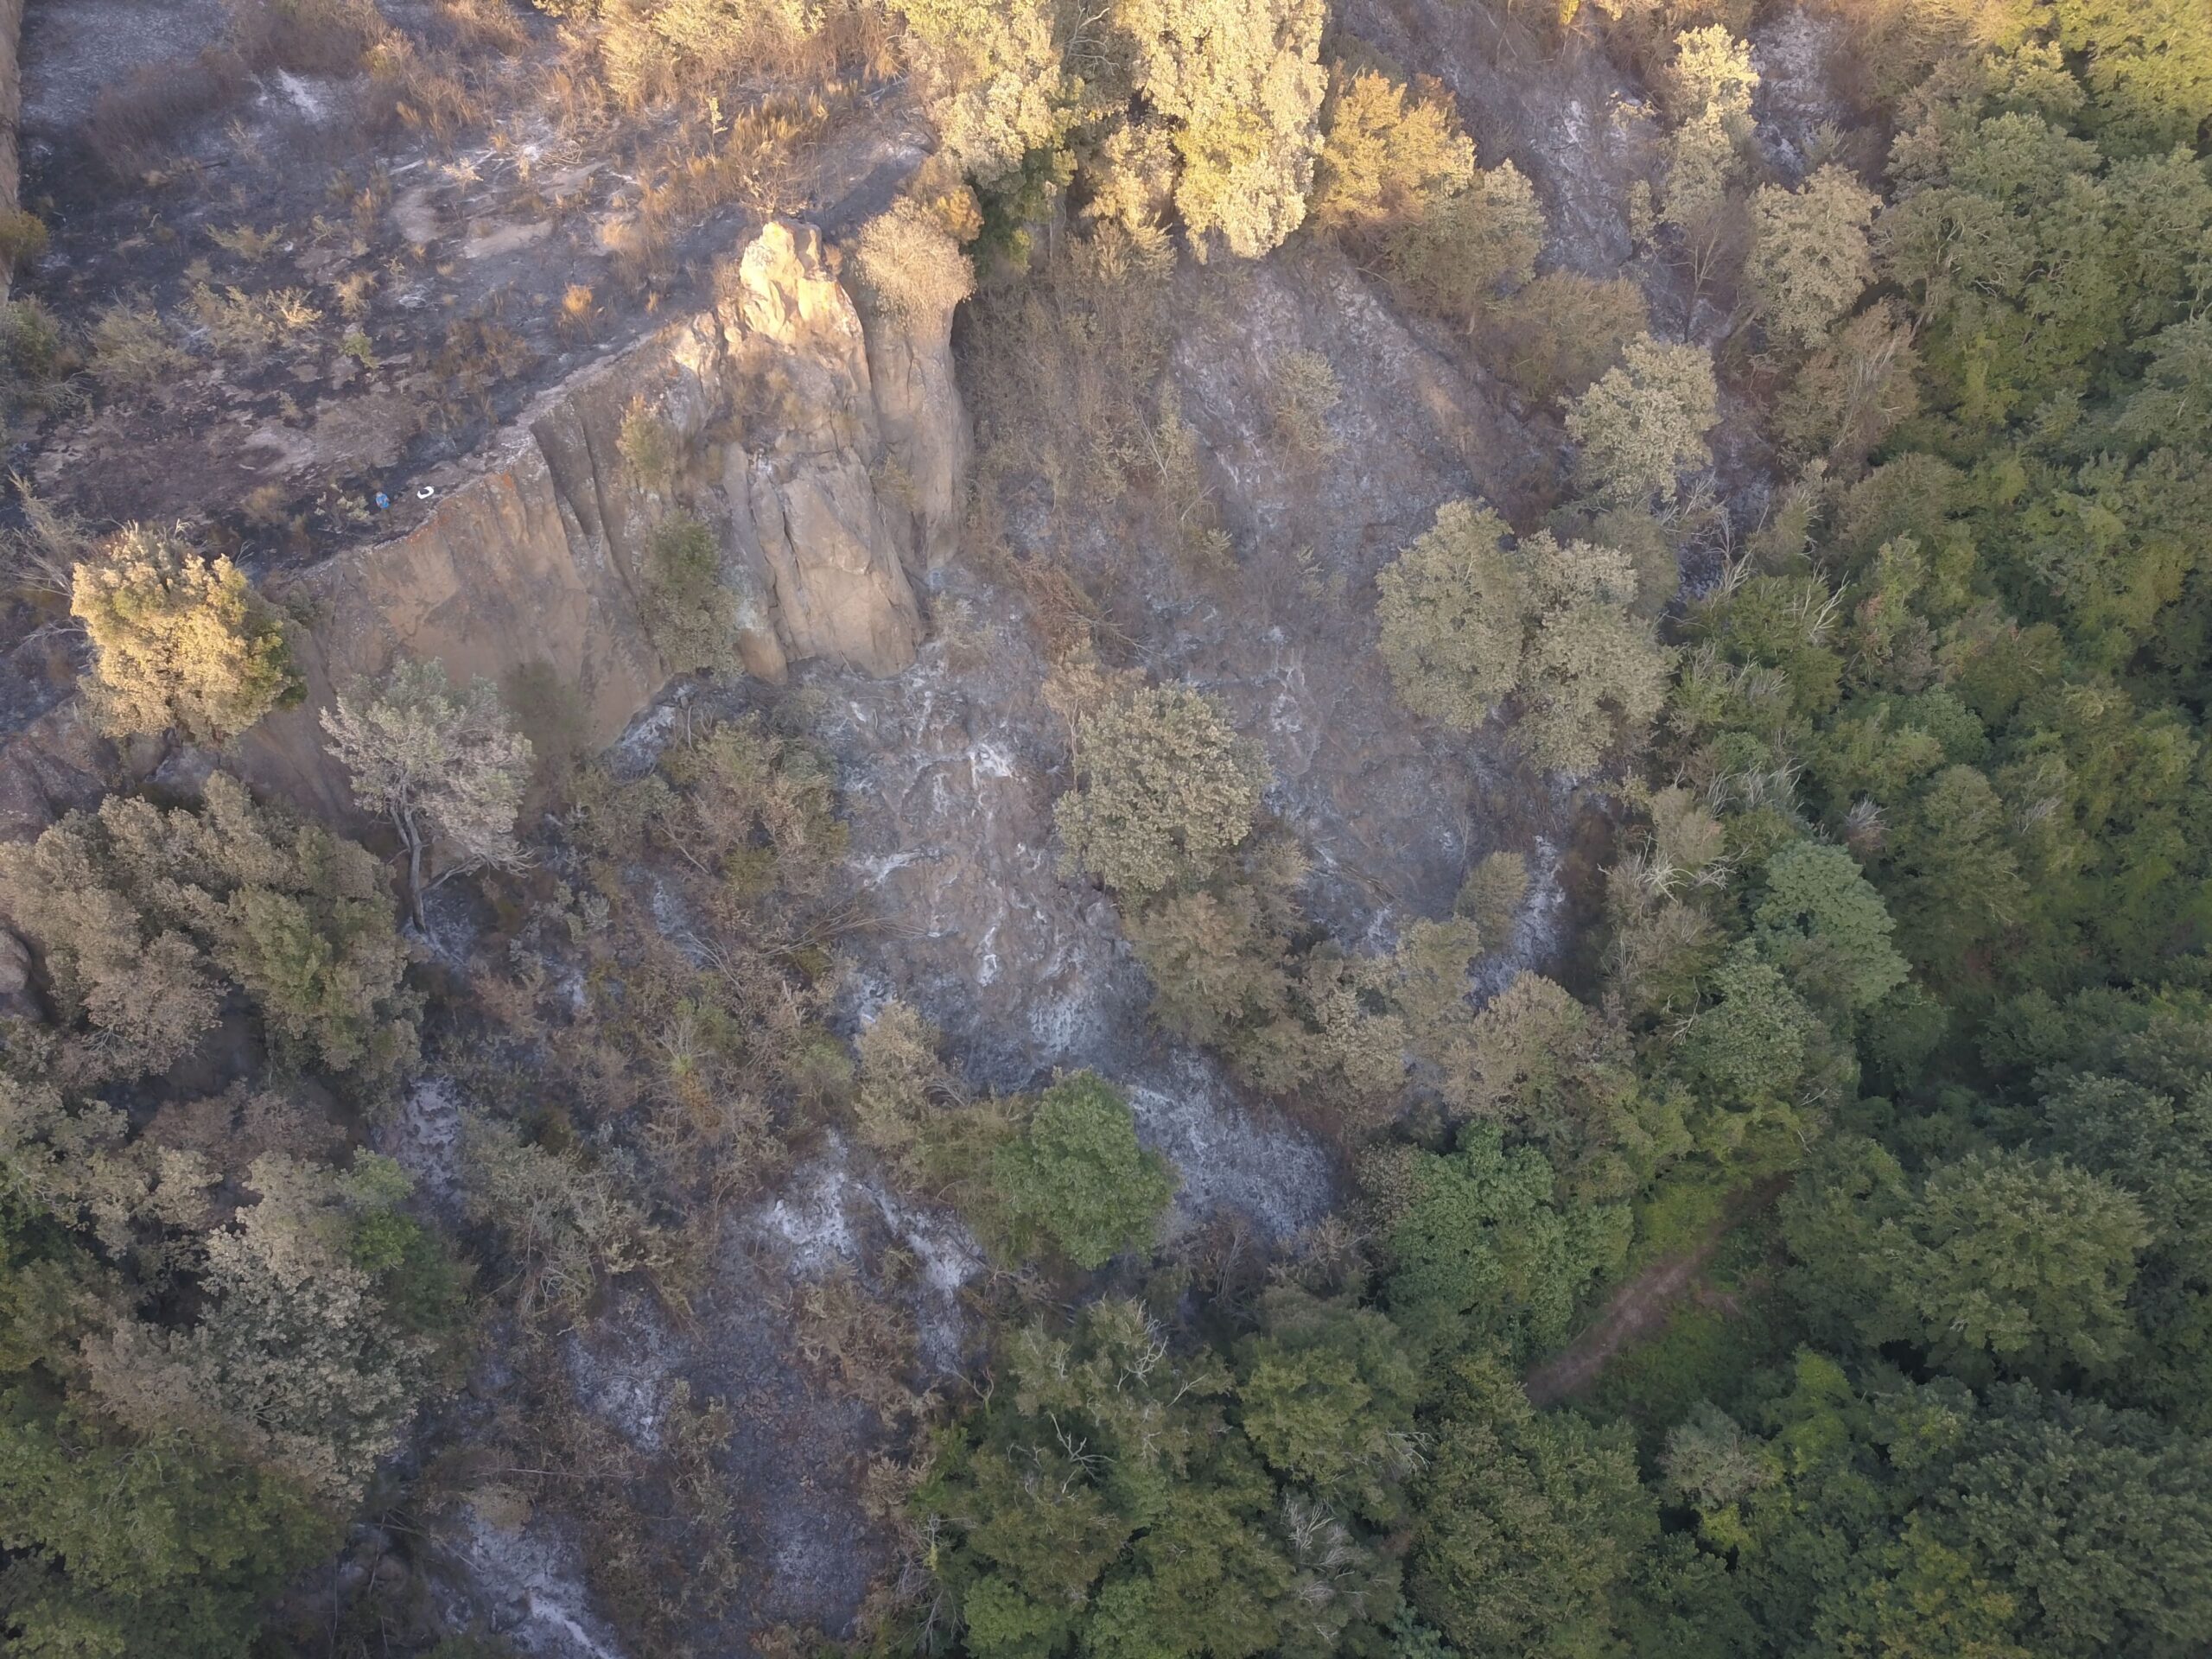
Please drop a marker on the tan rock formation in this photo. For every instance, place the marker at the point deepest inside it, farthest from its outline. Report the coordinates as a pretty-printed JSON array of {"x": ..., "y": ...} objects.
[
  {"x": 805, "y": 484},
  {"x": 529, "y": 569},
  {"x": 926, "y": 434},
  {"x": 827, "y": 456}
]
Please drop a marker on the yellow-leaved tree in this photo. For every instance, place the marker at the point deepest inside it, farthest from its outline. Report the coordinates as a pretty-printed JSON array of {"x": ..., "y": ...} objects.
[{"x": 180, "y": 642}]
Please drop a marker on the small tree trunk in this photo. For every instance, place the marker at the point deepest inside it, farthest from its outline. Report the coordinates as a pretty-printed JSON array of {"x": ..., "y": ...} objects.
[{"x": 411, "y": 838}]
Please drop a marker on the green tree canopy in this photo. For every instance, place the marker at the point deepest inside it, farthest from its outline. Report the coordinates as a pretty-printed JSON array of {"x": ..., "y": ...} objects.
[
  {"x": 1485, "y": 1251},
  {"x": 1999, "y": 1263},
  {"x": 1078, "y": 1177},
  {"x": 1529, "y": 1523}
]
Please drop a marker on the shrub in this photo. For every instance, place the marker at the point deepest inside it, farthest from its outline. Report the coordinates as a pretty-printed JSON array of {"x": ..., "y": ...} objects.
[
  {"x": 35, "y": 361},
  {"x": 899, "y": 1072},
  {"x": 648, "y": 444},
  {"x": 248, "y": 326},
  {"x": 561, "y": 1220},
  {"x": 131, "y": 349},
  {"x": 22, "y": 236},
  {"x": 912, "y": 265},
  {"x": 1165, "y": 787},
  {"x": 179, "y": 641},
  {"x": 1078, "y": 1177},
  {"x": 1219, "y": 967},
  {"x": 689, "y": 611},
  {"x": 1301, "y": 390}
]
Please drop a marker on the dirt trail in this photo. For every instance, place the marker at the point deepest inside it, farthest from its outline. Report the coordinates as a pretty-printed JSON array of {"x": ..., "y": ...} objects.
[{"x": 1641, "y": 1308}]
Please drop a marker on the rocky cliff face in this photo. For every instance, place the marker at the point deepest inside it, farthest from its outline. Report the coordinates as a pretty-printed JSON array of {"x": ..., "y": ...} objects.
[
  {"x": 814, "y": 509},
  {"x": 531, "y": 567}
]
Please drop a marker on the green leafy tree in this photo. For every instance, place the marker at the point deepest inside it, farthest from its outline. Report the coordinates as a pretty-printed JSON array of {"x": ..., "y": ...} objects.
[
  {"x": 120, "y": 1542},
  {"x": 1466, "y": 622},
  {"x": 1988, "y": 197},
  {"x": 2140, "y": 1113},
  {"x": 140, "y": 915},
  {"x": 1748, "y": 1056},
  {"x": 1812, "y": 253},
  {"x": 1239, "y": 85},
  {"x": 1526, "y": 1524},
  {"x": 1326, "y": 1394},
  {"x": 1106, "y": 1497},
  {"x": 1593, "y": 674},
  {"x": 1954, "y": 877},
  {"x": 1391, "y": 155},
  {"x": 2148, "y": 67},
  {"x": 1452, "y": 612},
  {"x": 2172, "y": 404},
  {"x": 294, "y": 1357},
  {"x": 1485, "y": 1251},
  {"x": 446, "y": 768},
  {"x": 1460, "y": 260},
  {"x": 991, "y": 78},
  {"x": 1078, "y": 1177},
  {"x": 1644, "y": 422},
  {"x": 2095, "y": 1521},
  {"x": 1920, "y": 1520},
  {"x": 2000, "y": 1262},
  {"x": 1542, "y": 1065},
  {"x": 1821, "y": 922}
]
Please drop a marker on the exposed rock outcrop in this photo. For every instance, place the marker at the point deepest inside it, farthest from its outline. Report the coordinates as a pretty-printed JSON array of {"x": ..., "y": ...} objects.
[
  {"x": 910, "y": 359},
  {"x": 805, "y": 484},
  {"x": 530, "y": 567},
  {"x": 532, "y": 570}
]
